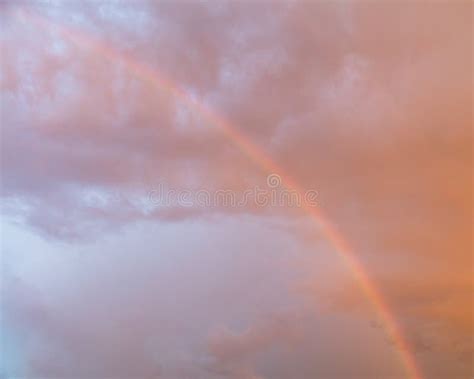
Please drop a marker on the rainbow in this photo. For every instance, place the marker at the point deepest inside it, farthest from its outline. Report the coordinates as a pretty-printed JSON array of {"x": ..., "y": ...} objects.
[{"x": 158, "y": 80}]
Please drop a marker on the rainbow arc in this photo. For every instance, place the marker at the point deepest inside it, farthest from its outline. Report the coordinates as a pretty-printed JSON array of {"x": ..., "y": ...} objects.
[{"x": 161, "y": 82}]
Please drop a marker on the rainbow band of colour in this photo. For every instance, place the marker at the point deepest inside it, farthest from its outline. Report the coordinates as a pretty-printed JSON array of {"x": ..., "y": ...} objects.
[{"x": 158, "y": 80}]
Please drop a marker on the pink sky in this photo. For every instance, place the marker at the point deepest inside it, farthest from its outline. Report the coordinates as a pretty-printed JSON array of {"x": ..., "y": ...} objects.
[{"x": 367, "y": 104}]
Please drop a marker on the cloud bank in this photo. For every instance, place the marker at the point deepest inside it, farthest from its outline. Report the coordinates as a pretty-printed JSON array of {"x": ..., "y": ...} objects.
[{"x": 369, "y": 104}]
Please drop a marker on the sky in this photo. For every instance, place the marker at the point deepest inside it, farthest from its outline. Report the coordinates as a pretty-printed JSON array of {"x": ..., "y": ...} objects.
[{"x": 132, "y": 133}]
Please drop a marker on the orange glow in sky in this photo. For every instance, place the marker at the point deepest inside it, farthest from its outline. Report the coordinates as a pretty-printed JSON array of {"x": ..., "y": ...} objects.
[{"x": 365, "y": 106}]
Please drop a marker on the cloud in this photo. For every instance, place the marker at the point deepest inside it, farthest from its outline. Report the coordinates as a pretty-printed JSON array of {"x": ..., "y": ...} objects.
[
  {"x": 150, "y": 303},
  {"x": 370, "y": 104}
]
